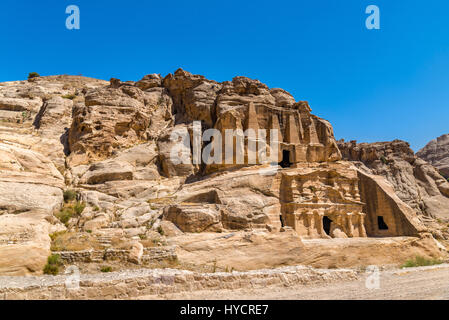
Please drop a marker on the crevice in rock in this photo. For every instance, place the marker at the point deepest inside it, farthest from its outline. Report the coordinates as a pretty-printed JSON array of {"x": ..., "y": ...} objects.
[
  {"x": 64, "y": 139},
  {"x": 40, "y": 114}
]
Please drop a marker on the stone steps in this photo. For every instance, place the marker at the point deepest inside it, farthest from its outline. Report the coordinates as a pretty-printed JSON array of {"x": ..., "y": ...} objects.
[
  {"x": 97, "y": 256},
  {"x": 105, "y": 241}
]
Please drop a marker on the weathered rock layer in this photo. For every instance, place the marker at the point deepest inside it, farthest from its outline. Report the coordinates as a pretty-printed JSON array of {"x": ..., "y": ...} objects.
[
  {"x": 436, "y": 152},
  {"x": 415, "y": 181},
  {"x": 109, "y": 148}
]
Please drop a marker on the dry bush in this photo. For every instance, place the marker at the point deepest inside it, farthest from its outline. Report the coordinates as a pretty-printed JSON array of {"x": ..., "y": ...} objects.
[{"x": 73, "y": 241}]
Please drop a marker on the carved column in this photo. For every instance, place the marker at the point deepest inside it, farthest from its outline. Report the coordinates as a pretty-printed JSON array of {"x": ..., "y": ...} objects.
[
  {"x": 350, "y": 224},
  {"x": 309, "y": 218},
  {"x": 319, "y": 225},
  {"x": 362, "y": 231}
]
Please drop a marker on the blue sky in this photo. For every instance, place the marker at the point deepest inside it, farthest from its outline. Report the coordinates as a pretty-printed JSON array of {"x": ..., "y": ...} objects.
[{"x": 372, "y": 85}]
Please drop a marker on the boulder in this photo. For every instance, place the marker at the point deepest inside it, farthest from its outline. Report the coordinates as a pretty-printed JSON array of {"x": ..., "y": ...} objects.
[
  {"x": 174, "y": 154},
  {"x": 110, "y": 170},
  {"x": 136, "y": 253},
  {"x": 194, "y": 218}
]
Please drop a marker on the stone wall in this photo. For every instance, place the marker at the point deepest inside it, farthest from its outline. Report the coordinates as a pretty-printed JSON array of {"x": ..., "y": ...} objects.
[
  {"x": 132, "y": 284},
  {"x": 149, "y": 255},
  {"x": 69, "y": 257}
]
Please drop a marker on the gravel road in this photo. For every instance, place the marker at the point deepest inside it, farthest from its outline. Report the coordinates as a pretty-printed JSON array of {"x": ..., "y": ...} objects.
[{"x": 416, "y": 283}]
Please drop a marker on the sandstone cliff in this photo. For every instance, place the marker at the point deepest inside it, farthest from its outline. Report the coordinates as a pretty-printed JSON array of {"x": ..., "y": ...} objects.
[
  {"x": 436, "y": 152},
  {"x": 415, "y": 181},
  {"x": 89, "y": 163}
]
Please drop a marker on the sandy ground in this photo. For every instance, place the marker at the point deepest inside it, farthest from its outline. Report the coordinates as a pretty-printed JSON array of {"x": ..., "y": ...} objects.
[{"x": 416, "y": 283}]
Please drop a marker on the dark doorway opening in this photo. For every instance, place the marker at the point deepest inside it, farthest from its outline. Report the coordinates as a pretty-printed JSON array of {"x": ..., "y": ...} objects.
[
  {"x": 285, "y": 163},
  {"x": 381, "y": 223},
  {"x": 282, "y": 221},
  {"x": 327, "y": 225}
]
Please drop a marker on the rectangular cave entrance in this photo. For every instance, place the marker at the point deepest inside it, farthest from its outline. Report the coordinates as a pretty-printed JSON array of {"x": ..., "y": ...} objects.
[
  {"x": 285, "y": 163},
  {"x": 381, "y": 225},
  {"x": 327, "y": 225}
]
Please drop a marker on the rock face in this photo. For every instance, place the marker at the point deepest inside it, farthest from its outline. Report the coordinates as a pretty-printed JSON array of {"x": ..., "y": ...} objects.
[
  {"x": 24, "y": 242},
  {"x": 414, "y": 181},
  {"x": 34, "y": 118},
  {"x": 116, "y": 147},
  {"x": 123, "y": 115},
  {"x": 436, "y": 152}
]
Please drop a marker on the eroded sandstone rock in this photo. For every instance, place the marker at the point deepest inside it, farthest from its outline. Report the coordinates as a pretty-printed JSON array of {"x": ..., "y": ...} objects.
[
  {"x": 112, "y": 143},
  {"x": 194, "y": 218},
  {"x": 416, "y": 182},
  {"x": 25, "y": 242},
  {"x": 436, "y": 152}
]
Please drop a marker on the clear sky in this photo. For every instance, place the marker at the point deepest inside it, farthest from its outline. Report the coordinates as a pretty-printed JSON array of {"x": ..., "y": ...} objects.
[{"x": 372, "y": 85}]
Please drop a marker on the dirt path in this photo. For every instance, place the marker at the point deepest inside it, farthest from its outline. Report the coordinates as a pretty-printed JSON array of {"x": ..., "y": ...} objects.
[{"x": 417, "y": 283}]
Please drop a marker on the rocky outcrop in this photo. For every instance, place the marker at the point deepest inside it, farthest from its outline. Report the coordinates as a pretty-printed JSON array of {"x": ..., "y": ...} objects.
[
  {"x": 415, "y": 181},
  {"x": 34, "y": 117},
  {"x": 30, "y": 191},
  {"x": 193, "y": 97},
  {"x": 436, "y": 152},
  {"x": 110, "y": 119},
  {"x": 28, "y": 181},
  {"x": 249, "y": 250},
  {"x": 249, "y": 104},
  {"x": 25, "y": 242},
  {"x": 126, "y": 113},
  {"x": 124, "y": 151}
]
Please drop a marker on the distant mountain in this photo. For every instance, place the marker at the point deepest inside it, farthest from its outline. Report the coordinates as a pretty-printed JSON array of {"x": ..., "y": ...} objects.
[{"x": 436, "y": 152}]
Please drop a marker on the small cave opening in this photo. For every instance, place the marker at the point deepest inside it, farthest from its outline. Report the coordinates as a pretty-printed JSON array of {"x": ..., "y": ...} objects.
[
  {"x": 282, "y": 221},
  {"x": 381, "y": 223},
  {"x": 327, "y": 225},
  {"x": 285, "y": 163}
]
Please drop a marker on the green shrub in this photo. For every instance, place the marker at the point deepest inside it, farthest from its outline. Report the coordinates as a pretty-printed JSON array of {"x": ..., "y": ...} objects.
[
  {"x": 156, "y": 241},
  {"x": 64, "y": 215},
  {"x": 51, "y": 270},
  {"x": 69, "y": 96},
  {"x": 32, "y": 75},
  {"x": 54, "y": 259},
  {"x": 79, "y": 207},
  {"x": 383, "y": 159},
  {"x": 55, "y": 235},
  {"x": 106, "y": 269},
  {"x": 96, "y": 208},
  {"x": 26, "y": 115},
  {"x": 69, "y": 211},
  {"x": 53, "y": 264},
  {"x": 160, "y": 230},
  {"x": 69, "y": 195},
  {"x": 420, "y": 262}
]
